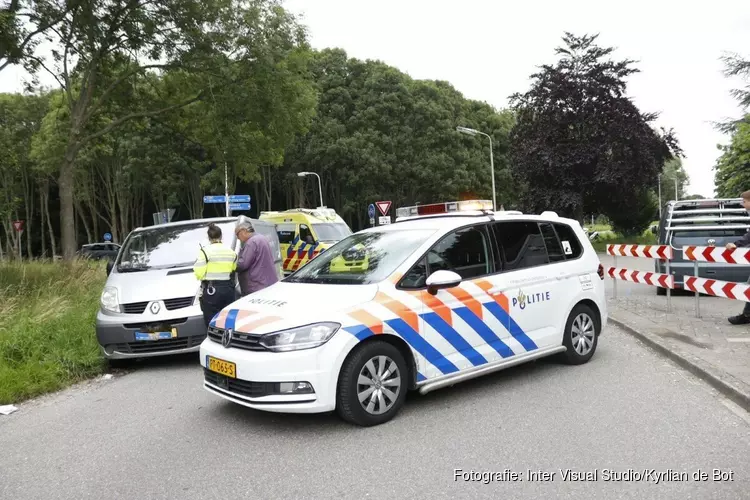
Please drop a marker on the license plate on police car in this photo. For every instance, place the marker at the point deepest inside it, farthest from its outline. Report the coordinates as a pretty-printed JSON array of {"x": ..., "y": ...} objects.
[{"x": 222, "y": 367}]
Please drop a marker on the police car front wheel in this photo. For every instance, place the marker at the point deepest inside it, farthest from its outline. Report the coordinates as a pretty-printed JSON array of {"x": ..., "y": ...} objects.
[
  {"x": 372, "y": 385},
  {"x": 581, "y": 334}
]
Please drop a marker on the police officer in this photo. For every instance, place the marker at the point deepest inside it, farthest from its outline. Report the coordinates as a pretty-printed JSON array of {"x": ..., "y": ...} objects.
[{"x": 214, "y": 268}]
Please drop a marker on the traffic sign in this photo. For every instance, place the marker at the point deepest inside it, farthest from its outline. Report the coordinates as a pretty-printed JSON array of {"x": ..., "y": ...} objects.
[
  {"x": 107, "y": 237},
  {"x": 384, "y": 206},
  {"x": 18, "y": 225},
  {"x": 233, "y": 198},
  {"x": 384, "y": 220},
  {"x": 239, "y": 206},
  {"x": 371, "y": 211}
]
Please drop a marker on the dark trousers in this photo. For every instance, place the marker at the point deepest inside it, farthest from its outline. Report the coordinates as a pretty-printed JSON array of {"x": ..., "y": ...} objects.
[
  {"x": 222, "y": 297},
  {"x": 746, "y": 310}
]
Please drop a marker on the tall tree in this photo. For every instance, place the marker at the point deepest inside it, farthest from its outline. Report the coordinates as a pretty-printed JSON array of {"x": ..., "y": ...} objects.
[
  {"x": 737, "y": 66},
  {"x": 579, "y": 144},
  {"x": 732, "y": 175},
  {"x": 99, "y": 47}
]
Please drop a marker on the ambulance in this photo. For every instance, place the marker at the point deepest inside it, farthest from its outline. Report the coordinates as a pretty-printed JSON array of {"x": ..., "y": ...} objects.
[
  {"x": 305, "y": 233},
  {"x": 450, "y": 292}
]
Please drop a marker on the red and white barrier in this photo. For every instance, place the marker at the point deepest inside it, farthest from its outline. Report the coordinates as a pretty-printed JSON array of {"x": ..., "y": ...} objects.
[
  {"x": 662, "y": 252},
  {"x": 717, "y": 254},
  {"x": 726, "y": 289},
  {"x": 643, "y": 277}
]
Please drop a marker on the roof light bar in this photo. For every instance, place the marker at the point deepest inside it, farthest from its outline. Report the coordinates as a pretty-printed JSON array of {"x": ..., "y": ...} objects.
[{"x": 444, "y": 208}]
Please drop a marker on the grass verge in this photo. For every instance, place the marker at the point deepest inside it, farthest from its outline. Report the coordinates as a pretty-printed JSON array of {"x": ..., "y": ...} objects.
[
  {"x": 47, "y": 315},
  {"x": 600, "y": 245}
]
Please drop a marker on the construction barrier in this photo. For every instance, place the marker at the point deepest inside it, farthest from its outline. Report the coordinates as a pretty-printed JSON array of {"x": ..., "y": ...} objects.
[
  {"x": 696, "y": 254},
  {"x": 661, "y": 252},
  {"x": 725, "y": 289}
]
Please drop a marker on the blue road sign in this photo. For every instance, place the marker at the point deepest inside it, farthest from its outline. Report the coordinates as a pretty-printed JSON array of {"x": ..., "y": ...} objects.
[
  {"x": 239, "y": 206},
  {"x": 107, "y": 237},
  {"x": 233, "y": 198},
  {"x": 371, "y": 211}
]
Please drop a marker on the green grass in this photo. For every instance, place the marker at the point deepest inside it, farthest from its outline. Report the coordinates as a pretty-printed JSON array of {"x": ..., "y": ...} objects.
[
  {"x": 47, "y": 338},
  {"x": 646, "y": 238}
]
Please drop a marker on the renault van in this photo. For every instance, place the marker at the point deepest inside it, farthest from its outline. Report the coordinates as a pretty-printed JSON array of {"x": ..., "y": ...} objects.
[{"x": 149, "y": 305}]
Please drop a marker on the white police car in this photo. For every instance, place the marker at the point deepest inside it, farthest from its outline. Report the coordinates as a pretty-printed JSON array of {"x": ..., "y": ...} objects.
[{"x": 443, "y": 295}]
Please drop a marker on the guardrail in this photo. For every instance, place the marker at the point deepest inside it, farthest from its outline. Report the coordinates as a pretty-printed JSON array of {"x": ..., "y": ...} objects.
[
  {"x": 660, "y": 252},
  {"x": 725, "y": 289}
]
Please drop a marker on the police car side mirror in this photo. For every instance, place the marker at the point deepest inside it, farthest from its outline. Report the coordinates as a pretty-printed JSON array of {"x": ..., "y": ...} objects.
[
  {"x": 442, "y": 279},
  {"x": 110, "y": 265}
]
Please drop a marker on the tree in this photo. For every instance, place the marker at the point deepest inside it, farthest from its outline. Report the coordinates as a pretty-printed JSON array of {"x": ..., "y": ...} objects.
[
  {"x": 732, "y": 175},
  {"x": 673, "y": 180},
  {"x": 737, "y": 66},
  {"x": 579, "y": 144},
  {"x": 101, "y": 47},
  {"x": 379, "y": 134}
]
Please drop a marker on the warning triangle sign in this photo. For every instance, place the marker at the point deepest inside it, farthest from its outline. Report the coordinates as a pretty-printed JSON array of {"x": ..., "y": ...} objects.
[
  {"x": 383, "y": 207},
  {"x": 18, "y": 225}
]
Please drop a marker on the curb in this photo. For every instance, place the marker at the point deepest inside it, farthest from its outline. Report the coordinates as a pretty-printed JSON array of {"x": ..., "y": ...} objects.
[{"x": 714, "y": 376}]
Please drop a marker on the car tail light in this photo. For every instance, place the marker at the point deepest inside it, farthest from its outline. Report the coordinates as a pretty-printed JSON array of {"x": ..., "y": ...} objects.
[{"x": 600, "y": 272}]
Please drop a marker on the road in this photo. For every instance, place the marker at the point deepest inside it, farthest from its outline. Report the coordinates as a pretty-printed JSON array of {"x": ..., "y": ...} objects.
[{"x": 155, "y": 433}]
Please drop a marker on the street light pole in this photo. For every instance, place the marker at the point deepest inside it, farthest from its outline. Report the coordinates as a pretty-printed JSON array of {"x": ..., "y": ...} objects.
[
  {"x": 320, "y": 185},
  {"x": 471, "y": 131},
  {"x": 659, "y": 178}
]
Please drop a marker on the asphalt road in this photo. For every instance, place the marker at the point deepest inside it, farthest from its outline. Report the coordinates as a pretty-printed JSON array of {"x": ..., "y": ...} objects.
[{"x": 155, "y": 433}]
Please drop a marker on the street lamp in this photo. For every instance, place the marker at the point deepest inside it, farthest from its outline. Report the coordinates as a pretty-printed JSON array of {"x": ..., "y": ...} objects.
[
  {"x": 471, "y": 131},
  {"x": 320, "y": 186}
]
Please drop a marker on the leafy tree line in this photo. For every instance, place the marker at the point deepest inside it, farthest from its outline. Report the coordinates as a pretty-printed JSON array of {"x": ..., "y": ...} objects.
[
  {"x": 155, "y": 102},
  {"x": 732, "y": 169}
]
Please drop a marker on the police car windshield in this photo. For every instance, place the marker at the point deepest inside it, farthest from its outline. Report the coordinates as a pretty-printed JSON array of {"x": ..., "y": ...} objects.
[
  {"x": 161, "y": 247},
  {"x": 362, "y": 258},
  {"x": 331, "y": 231}
]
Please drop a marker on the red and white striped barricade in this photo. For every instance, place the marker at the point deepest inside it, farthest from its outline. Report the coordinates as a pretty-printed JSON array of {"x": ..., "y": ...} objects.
[
  {"x": 726, "y": 289},
  {"x": 661, "y": 252}
]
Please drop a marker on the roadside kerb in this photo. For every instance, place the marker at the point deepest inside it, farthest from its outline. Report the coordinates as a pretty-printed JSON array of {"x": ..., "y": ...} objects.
[{"x": 733, "y": 388}]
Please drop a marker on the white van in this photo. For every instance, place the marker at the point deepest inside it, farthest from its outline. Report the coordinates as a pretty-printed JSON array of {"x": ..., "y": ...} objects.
[{"x": 149, "y": 305}]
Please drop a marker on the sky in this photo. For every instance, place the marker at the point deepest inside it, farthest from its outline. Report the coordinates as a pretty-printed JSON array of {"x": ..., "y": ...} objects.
[{"x": 488, "y": 49}]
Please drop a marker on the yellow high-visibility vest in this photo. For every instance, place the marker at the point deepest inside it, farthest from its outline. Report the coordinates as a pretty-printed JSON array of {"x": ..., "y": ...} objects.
[{"x": 215, "y": 262}]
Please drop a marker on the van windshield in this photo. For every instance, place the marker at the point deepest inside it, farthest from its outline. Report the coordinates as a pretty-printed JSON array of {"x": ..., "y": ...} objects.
[
  {"x": 163, "y": 247},
  {"x": 331, "y": 231}
]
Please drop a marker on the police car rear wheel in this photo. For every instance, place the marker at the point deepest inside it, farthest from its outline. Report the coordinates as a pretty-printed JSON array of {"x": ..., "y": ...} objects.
[
  {"x": 372, "y": 385},
  {"x": 581, "y": 335}
]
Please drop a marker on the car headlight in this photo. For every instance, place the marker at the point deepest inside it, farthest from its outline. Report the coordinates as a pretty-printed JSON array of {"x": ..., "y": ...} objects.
[
  {"x": 109, "y": 299},
  {"x": 303, "y": 337}
]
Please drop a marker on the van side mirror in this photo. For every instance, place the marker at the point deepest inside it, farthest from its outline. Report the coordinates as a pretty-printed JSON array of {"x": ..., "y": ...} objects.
[
  {"x": 110, "y": 265},
  {"x": 442, "y": 279}
]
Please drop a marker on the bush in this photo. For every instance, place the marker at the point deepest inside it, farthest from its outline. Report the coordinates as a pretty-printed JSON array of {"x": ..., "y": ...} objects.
[
  {"x": 47, "y": 315},
  {"x": 646, "y": 238}
]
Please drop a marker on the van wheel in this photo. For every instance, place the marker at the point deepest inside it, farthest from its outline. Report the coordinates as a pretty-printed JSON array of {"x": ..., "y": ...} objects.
[
  {"x": 581, "y": 335},
  {"x": 372, "y": 385}
]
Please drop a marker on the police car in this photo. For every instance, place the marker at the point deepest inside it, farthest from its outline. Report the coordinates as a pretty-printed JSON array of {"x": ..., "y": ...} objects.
[{"x": 450, "y": 292}]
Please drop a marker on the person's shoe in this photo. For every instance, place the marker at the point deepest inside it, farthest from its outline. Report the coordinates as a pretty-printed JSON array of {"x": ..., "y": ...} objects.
[{"x": 740, "y": 319}]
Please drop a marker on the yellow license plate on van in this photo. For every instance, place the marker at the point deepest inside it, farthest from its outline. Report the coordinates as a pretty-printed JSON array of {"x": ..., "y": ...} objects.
[{"x": 222, "y": 367}]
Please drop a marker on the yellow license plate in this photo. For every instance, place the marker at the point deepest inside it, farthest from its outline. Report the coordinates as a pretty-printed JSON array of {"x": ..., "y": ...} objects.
[{"x": 223, "y": 367}]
